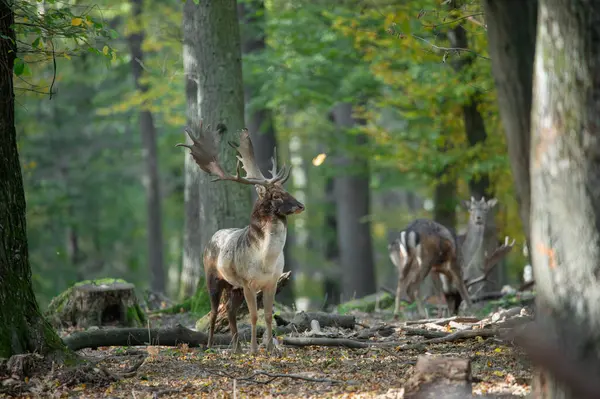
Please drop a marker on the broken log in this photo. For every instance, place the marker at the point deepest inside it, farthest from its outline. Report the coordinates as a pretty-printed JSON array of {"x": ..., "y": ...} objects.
[
  {"x": 437, "y": 377},
  {"x": 167, "y": 336},
  {"x": 222, "y": 324}
]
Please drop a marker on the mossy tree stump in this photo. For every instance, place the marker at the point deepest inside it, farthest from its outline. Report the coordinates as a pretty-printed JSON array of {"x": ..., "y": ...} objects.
[{"x": 97, "y": 303}]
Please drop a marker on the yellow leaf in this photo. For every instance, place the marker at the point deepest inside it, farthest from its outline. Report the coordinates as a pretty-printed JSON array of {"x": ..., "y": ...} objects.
[
  {"x": 498, "y": 350},
  {"x": 67, "y": 56},
  {"x": 319, "y": 159},
  {"x": 105, "y": 50},
  {"x": 498, "y": 373},
  {"x": 76, "y": 21}
]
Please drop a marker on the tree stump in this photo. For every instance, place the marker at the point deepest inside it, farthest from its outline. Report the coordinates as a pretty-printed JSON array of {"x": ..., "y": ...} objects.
[
  {"x": 97, "y": 303},
  {"x": 437, "y": 377}
]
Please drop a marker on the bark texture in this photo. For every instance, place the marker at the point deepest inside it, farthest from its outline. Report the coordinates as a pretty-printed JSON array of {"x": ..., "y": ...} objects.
[
  {"x": 191, "y": 270},
  {"x": 151, "y": 179},
  {"x": 565, "y": 183},
  {"x": 352, "y": 194},
  {"x": 511, "y": 28},
  {"x": 22, "y": 327},
  {"x": 260, "y": 120},
  {"x": 220, "y": 100}
]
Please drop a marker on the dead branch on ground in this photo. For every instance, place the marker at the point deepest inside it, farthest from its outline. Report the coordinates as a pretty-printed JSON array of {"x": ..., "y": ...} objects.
[{"x": 271, "y": 377}]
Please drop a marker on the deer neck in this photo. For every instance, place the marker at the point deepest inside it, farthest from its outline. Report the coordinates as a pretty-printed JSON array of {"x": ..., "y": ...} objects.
[
  {"x": 472, "y": 248},
  {"x": 267, "y": 232}
]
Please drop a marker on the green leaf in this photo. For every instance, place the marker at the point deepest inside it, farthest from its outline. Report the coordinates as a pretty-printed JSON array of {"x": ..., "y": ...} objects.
[
  {"x": 36, "y": 42},
  {"x": 19, "y": 67}
]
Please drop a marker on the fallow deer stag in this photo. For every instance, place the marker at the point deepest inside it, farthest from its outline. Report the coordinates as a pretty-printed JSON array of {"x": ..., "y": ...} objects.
[{"x": 250, "y": 258}]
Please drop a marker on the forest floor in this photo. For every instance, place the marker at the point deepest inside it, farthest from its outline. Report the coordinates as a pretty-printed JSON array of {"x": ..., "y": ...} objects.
[{"x": 308, "y": 372}]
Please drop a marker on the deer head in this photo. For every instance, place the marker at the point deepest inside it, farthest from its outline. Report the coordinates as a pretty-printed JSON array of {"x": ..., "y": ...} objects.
[
  {"x": 478, "y": 210},
  {"x": 272, "y": 197}
]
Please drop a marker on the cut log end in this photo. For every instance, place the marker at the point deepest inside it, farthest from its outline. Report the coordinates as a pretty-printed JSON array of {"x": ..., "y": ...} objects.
[{"x": 435, "y": 375}]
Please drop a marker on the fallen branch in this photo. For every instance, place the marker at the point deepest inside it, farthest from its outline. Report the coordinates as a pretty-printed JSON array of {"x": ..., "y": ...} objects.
[
  {"x": 445, "y": 320},
  {"x": 271, "y": 377},
  {"x": 170, "y": 336},
  {"x": 455, "y": 336},
  {"x": 422, "y": 332},
  {"x": 343, "y": 342}
]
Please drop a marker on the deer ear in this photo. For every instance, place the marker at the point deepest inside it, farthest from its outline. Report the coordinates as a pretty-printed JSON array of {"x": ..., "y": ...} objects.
[
  {"x": 492, "y": 202},
  {"x": 260, "y": 190}
]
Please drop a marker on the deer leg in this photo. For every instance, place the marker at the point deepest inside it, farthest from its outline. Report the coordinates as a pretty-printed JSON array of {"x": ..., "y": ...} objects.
[
  {"x": 399, "y": 290},
  {"x": 250, "y": 296},
  {"x": 268, "y": 299},
  {"x": 215, "y": 288},
  {"x": 235, "y": 300},
  {"x": 420, "y": 307},
  {"x": 462, "y": 289},
  {"x": 439, "y": 288}
]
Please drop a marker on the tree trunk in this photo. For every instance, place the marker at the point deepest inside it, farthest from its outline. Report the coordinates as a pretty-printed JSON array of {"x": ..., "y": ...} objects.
[
  {"x": 191, "y": 270},
  {"x": 332, "y": 286},
  {"x": 260, "y": 120},
  {"x": 22, "y": 327},
  {"x": 444, "y": 212},
  {"x": 221, "y": 100},
  {"x": 479, "y": 186},
  {"x": 565, "y": 182},
  {"x": 511, "y": 27},
  {"x": 151, "y": 178},
  {"x": 352, "y": 195}
]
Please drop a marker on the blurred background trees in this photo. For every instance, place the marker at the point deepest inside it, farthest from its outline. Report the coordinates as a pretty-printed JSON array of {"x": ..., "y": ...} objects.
[{"x": 387, "y": 110}]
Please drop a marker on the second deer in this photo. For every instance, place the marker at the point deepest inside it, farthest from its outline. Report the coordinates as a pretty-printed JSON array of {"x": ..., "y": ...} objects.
[
  {"x": 426, "y": 247},
  {"x": 250, "y": 258},
  {"x": 469, "y": 255}
]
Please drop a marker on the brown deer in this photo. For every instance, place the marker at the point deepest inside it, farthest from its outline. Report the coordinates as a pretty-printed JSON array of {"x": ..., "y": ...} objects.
[
  {"x": 469, "y": 252},
  {"x": 250, "y": 258},
  {"x": 425, "y": 246}
]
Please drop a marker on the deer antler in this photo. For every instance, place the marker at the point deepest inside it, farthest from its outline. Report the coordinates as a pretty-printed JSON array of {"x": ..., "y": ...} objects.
[
  {"x": 204, "y": 152},
  {"x": 493, "y": 259},
  {"x": 281, "y": 176}
]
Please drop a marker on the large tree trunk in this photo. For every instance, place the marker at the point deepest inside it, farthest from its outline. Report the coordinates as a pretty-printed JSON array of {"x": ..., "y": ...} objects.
[
  {"x": 511, "y": 26},
  {"x": 352, "y": 195},
  {"x": 22, "y": 327},
  {"x": 191, "y": 269},
  {"x": 565, "y": 182},
  {"x": 151, "y": 178},
  {"x": 260, "y": 120},
  {"x": 476, "y": 134},
  {"x": 331, "y": 284},
  {"x": 221, "y": 100}
]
